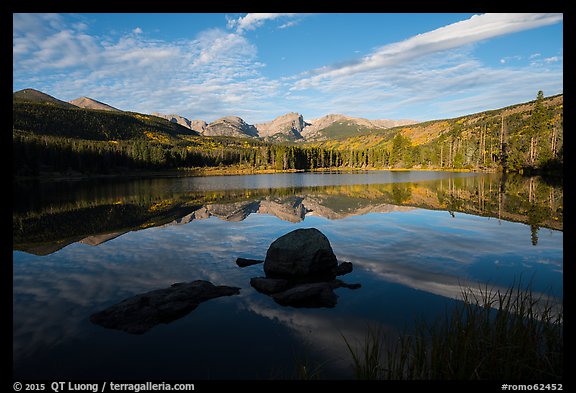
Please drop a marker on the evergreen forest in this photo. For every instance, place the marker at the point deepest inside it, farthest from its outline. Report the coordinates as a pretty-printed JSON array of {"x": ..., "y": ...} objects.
[{"x": 523, "y": 138}]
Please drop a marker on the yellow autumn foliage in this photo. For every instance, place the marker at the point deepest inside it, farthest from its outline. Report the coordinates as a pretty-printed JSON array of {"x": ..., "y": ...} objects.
[
  {"x": 157, "y": 137},
  {"x": 161, "y": 205}
]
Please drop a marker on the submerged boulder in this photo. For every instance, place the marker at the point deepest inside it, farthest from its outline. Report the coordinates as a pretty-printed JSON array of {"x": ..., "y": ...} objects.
[
  {"x": 302, "y": 252},
  {"x": 312, "y": 294},
  {"x": 316, "y": 294},
  {"x": 140, "y": 313},
  {"x": 269, "y": 285}
]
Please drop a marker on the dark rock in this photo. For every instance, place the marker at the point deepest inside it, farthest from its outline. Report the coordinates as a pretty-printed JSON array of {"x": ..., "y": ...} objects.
[
  {"x": 343, "y": 268},
  {"x": 302, "y": 252},
  {"x": 243, "y": 262},
  {"x": 301, "y": 270},
  {"x": 319, "y": 294},
  {"x": 269, "y": 285},
  {"x": 142, "y": 312}
]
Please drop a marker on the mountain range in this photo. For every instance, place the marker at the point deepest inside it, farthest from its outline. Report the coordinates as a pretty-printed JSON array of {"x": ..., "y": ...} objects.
[
  {"x": 524, "y": 136},
  {"x": 290, "y": 127}
]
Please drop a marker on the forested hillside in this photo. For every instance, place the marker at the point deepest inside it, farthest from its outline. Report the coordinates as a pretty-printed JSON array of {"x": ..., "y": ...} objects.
[
  {"x": 48, "y": 138},
  {"x": 92, "y": 124},
  {"x": 523, "y": 136}
]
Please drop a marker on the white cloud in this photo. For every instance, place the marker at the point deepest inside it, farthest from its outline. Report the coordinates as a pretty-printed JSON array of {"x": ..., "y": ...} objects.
[
  {"x": 216, "y": 45},
  {"x": 215, "y": 72},
  {"x": 288, "y": 24},
  {"x": 218, "y": 72},
  {"x": 475, "y": 29},
  {"x": 508, "y": 58},
  {"x": 35, "y": 25},
  {"x": 446, "y": 84},
  {"x": 255, "y": 20},
  {"x": 44, "y": 41},
  {"x": 137, "y": 30},
  {"x": 547, "y": 61}
]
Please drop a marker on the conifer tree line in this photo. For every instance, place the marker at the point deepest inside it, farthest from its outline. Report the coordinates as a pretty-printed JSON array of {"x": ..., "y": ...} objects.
[{"x": 517, "y": 141}]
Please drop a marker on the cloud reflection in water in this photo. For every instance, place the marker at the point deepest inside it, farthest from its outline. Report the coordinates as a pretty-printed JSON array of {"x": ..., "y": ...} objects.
[{"x": 427, "y": 255}]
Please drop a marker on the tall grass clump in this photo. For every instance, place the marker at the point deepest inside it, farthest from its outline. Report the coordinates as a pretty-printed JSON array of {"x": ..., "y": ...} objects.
[
  {"x": 508, "y": 335},
  {"x": 367, "y": 358}
]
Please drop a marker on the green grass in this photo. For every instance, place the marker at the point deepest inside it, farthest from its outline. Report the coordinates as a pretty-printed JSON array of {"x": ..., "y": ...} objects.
[{"x": 490, "y": 335}]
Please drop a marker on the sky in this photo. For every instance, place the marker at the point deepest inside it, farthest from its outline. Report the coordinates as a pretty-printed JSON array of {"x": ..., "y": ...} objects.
[{"x": 263, "y": 65}]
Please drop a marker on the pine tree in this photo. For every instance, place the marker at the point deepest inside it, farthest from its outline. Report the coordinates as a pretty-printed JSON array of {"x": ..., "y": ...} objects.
[{"x": 538, "y": 127}]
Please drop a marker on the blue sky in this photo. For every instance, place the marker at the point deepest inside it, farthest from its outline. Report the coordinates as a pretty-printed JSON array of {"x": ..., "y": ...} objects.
[{"x": 259, "y": 66}]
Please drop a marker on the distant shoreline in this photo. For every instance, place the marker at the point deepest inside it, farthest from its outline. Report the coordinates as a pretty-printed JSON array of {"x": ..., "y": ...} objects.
[{"x": 219, "y": 171}]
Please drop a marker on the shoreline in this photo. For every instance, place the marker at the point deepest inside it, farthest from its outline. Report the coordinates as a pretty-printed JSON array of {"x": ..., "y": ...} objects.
[{"x": 224, "y": 171}]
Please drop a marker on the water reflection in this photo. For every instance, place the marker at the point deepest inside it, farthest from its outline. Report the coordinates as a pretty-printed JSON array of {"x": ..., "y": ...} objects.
[
  {"x": 51, "y": 218},
  {"x": 410, "y": 255},
  {"x": 140, "y": 313}
]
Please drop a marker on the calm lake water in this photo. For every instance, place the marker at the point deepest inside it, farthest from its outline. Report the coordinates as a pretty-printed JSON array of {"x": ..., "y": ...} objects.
[{"x": 416, "y": 239}]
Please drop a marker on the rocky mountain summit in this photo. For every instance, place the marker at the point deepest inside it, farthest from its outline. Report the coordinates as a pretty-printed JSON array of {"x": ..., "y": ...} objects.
[
  {"x": 290, "y": 125},
  {"x": 198, "y": 126},
  {"x": 195, "y": 125},
  {"x": 174, "y": 119},
  {"x": 336, "y": 125},
  {"x": 90, "y": 103},
  {"x": 36, "y": 96},
  {"x": 230, "y": 126}
]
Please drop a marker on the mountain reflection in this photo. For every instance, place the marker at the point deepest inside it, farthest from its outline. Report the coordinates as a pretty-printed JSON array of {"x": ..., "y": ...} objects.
[{"x": 47, "y": 218}]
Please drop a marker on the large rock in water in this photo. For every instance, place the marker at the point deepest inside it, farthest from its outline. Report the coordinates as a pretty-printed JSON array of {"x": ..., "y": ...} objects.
[
  {"x": 303, "y": 252},
  {"x": 140, "y": 313}
]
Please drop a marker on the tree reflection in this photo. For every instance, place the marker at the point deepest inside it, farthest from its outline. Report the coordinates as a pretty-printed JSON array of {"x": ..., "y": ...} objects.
[{"x": 54, "y": 216}]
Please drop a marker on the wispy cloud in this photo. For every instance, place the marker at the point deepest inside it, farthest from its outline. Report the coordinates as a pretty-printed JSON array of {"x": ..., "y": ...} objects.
[
  {"x": 435, "y": 71},
  {"x": 552, "y": 59},
  {"x": 288, "y": 24},
  {"x": 446, "y": 84},
  {"x": 255, "y": 20},
  {"x": 215, "y": 72},
  {"x": 546, "y": 62},
  {"x": 507, "y": 59},
  {"x": 219, "y": 71},
  {"x": 475, "y": 29}
]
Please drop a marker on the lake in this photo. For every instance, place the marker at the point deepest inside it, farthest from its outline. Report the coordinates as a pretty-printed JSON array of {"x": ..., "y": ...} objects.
[{"x": 417, "y": 239}]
